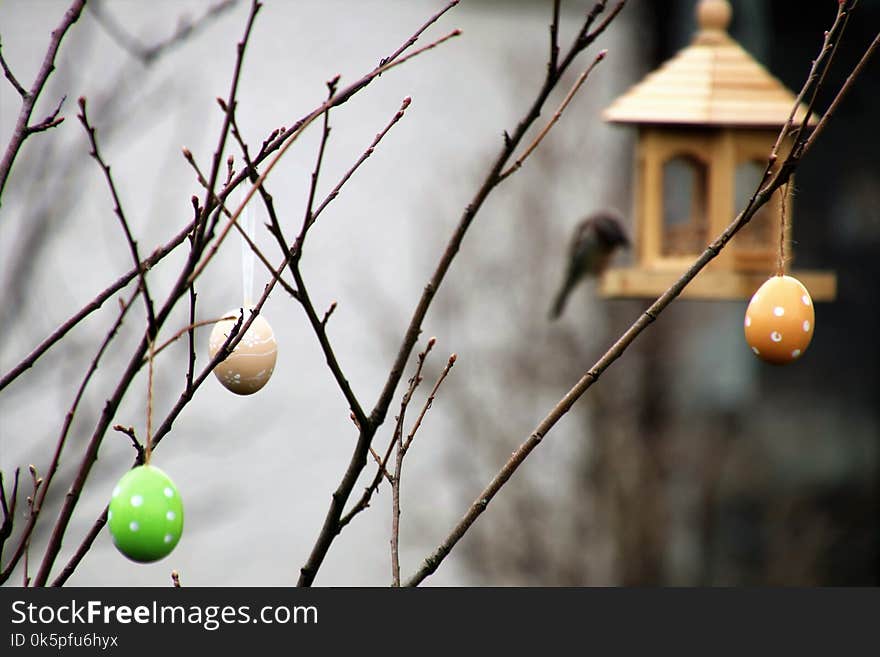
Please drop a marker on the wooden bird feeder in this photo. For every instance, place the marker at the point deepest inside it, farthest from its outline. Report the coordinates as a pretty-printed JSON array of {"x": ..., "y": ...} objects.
[{"x": 708, "y": 119}]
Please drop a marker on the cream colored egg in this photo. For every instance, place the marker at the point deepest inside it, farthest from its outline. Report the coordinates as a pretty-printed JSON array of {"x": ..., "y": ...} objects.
[
  {"x": 779, "y": 320},
  {"x": 251, "y": 363}
]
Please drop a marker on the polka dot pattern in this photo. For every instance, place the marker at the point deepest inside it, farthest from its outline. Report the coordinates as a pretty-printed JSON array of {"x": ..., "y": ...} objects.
[
  {"x": 146, "y": 514},
  {"x": 250, "y": 365},
  {"x": 780, "y": 320}
]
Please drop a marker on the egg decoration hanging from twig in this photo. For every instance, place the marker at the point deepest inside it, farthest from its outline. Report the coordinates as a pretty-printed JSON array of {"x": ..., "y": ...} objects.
[
  {"x": 145, "y": 516},
  {"x": 250, "y": 365},
  {"x": 780, "y": 320}
]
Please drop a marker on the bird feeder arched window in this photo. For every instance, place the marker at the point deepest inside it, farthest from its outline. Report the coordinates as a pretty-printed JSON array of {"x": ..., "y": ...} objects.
[{"x": 707, "y": 119}]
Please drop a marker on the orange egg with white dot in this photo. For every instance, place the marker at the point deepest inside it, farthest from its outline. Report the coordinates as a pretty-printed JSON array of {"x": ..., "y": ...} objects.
[{"x": 780, "y": 320}]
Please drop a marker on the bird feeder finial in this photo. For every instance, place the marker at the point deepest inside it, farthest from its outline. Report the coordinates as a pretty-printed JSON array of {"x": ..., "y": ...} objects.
[{"x": 713, "y": 17}]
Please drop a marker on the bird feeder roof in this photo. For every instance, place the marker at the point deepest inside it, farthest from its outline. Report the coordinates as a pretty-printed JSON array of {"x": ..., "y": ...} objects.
[{"x": 712, "y": 82}]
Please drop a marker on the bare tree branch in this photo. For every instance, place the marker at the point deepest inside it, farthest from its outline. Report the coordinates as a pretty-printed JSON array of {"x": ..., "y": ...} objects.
[
  {"x": 148, "y": 54},
  {"x": 402, "y": 448},
  {"x": 117, "y": 209},
  {"x": 9, "y": 75},
  {"x": 22, "y": 129}
]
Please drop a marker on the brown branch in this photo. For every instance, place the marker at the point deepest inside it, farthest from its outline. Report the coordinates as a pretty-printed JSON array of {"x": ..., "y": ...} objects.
[
  {"x": 330, "y": 529},
  {"x": 117, "y": 209},
  {"x": 574, "y": 89},
  {"x": 316, "y": 172},
  {"x": 366, "y": 154},
  {"x": 327, "y": 314},
  {"x": 188, "y": 156},
  {"x": 403, "y": 446},
  {"x": 191, "y": 339},
  {"x": 82, "y": 549},
  {"x": 187, "y": 329},
  {"x": 37, "y": 502},
  {"x": 93, "y": 305},
  {"x": 207, "y": 206},
  {"x": 140, "y": 452},
  {"x": 553, "y": 60},
  {"x": 847, "y": 85},
  {"x": 319, "y": 325},
  {"x": 50, "y": 121},
  {"x": 760, "y": 197},
  {"x": 21, "y": 130},
  {"x": 429, "y": 401}
]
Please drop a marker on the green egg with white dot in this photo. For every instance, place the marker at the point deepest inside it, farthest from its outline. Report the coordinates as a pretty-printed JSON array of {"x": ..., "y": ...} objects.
[{"x": 145, "y": 515}]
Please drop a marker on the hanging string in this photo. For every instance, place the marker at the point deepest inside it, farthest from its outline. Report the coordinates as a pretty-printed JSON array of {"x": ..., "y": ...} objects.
[
  {"x": 148, "y": 448},
  {"x": 247, "y": 255},
  {"x": 780, "y": 262}
]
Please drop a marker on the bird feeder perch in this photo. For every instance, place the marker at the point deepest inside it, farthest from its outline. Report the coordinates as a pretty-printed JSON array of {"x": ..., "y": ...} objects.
[{"x": 708, "y": 119}]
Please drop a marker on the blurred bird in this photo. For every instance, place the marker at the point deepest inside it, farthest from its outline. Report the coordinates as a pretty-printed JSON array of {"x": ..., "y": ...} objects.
[{"x": 595, "y": 240}]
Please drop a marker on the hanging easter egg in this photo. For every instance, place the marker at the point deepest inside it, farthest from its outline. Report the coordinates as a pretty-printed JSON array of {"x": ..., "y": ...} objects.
[
  {"x": 779, "y": 320},
  {"x": 145, "y": 515},
  {"x": 251, "y": 363}
]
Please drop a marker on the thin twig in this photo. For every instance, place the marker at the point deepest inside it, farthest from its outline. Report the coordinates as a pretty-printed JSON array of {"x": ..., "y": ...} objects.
[
  {"x": 50, "y": 121},
  {"x": 132, "y": 436},
  {"x": 394, "y": 479},
  {"x": 327, "y": 314},
  {"x": 187, "y": 329},
  {"x": 553, "y": 60},
  {"x": 366, "y": 154},
  {"x": 571, "y": 92},
  {"x": 175, "y": 579},
  {"x": 402, "y": 448},
  {"x": 429, "y": 401},
  {"x": 9, "y": 75},
  {"x": 191, "y": 341},
  {"x": 117, "y": 209},
  {"x": 21, "y": 131}
]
